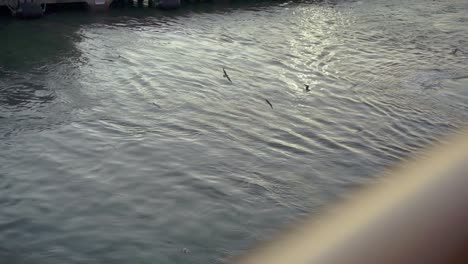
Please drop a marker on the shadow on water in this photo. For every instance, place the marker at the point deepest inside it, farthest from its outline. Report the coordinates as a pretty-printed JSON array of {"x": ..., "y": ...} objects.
[
  {"x": 39, "y": 60},
  {"x": 28, "y": 54},
  {"x": 32, "y": 43}
]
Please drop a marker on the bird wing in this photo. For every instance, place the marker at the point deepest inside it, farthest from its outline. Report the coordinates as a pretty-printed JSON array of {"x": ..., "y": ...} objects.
[{"x": 226, "y": 75}]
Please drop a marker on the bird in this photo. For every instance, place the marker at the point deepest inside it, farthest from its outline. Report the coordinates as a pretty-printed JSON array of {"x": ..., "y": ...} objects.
[
  {"x": 226, "y": 75},
  {"x": 454, "y": 52},
  {"x": 307, "y": 89},
  {"x": 268, "y": 102}
]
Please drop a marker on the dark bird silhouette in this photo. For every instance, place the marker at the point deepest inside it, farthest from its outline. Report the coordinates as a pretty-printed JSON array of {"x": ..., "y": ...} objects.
[
  {"x": 226, "y": 75},
  {"x": 454, "y": 52},
  {"x": 268, "y": 102},
  {"x": 307, "y": 89}
]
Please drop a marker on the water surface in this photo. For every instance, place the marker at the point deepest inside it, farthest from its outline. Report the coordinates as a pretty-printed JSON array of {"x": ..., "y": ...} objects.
[{"x": 121, "y": 142}]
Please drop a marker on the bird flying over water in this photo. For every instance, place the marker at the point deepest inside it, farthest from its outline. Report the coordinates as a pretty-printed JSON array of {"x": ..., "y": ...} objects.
[
  {"x": 268, "y": 102},
  {"x": 226, "y": 75},
  {"x": 307, "y": 89}
]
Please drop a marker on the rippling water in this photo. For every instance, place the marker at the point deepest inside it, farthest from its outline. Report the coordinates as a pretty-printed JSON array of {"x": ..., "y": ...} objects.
[{"x": 121, "y": 142}]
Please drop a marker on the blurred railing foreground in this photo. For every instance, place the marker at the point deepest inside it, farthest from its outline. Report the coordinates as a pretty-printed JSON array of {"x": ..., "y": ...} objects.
[{"x": 417, "y": 215}]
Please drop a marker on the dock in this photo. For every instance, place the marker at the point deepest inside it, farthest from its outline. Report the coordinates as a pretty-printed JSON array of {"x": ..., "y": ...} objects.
[{"x": 37, "y": 8}]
